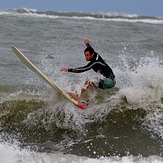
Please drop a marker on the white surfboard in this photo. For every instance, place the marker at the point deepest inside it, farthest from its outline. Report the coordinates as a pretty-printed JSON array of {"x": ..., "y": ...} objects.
[{"x": 30, "y": 65}]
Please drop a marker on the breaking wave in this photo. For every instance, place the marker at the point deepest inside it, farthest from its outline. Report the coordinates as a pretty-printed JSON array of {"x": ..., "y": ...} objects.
[{"x": 85, "y": 15}]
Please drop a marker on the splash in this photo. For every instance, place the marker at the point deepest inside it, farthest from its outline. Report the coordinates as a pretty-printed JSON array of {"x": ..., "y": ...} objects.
[{"x": 141, "y": 82}]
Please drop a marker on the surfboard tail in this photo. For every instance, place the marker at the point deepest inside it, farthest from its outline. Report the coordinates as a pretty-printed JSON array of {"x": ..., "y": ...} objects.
[{"x": 81, "y": 106}]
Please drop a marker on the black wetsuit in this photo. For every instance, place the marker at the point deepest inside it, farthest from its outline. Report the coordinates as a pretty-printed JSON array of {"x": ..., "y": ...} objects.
[{"x": 97, "y": 64}]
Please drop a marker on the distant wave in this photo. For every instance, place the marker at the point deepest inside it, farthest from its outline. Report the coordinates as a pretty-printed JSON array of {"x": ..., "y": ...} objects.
[{"x": 85, "y": 15}]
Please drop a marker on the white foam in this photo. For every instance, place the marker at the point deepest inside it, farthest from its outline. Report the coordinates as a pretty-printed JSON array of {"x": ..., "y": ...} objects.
[{"x": 13, "y": 154}]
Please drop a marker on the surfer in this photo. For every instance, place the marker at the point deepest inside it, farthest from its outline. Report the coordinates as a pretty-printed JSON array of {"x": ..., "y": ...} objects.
[
  {"x": 49, "y": 56},
  {"x": 98, "y": 65}
]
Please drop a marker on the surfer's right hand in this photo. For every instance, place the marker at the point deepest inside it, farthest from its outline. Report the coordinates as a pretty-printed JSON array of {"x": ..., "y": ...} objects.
[{"x": 64, "y": 69}]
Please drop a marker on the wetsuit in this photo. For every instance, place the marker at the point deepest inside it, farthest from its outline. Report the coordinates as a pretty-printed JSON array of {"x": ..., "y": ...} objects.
[{"x": 99, "y": 66}]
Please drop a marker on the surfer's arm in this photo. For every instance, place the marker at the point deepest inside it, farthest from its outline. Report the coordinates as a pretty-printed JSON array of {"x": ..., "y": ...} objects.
[
  {"x": 81, "y": 69},
  {"x": 76, "y": 70}
]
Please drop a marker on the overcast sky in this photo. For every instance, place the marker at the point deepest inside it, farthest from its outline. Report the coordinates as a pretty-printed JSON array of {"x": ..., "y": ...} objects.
[{"x": 139, "y": 7}]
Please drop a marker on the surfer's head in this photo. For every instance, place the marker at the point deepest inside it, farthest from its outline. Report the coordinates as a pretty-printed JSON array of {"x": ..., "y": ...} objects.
[{"x": 89, "y": 53}]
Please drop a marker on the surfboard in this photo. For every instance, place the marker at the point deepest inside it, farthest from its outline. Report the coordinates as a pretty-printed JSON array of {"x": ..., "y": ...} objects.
[{"x": 70, "y": 96}]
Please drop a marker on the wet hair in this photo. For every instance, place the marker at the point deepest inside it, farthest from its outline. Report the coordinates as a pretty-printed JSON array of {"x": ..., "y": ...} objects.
[{"x": 90, "y": 49}]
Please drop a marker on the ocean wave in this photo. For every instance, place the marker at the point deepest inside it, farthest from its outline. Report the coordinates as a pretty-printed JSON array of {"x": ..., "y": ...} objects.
[
  {"x": 84, "y": 15},
  {"x": 86, "y": 130},
  {"x": 112, "y": 121}
]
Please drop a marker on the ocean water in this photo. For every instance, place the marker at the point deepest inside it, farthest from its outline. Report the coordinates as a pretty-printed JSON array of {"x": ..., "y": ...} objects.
[{"x": 122, "y": 125}]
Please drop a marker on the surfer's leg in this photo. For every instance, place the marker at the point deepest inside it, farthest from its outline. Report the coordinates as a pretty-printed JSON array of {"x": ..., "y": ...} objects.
[
  {"x": 86, "y": 85},
  {"x": 107, "y": 83}
]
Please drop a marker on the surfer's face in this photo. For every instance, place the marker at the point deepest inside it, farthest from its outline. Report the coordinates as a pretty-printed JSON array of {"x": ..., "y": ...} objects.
[{"x": 88, "y": 56}]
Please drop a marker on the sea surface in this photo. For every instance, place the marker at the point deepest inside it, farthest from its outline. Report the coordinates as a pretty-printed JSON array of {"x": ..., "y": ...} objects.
[{"x": 121, "y": 125}]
